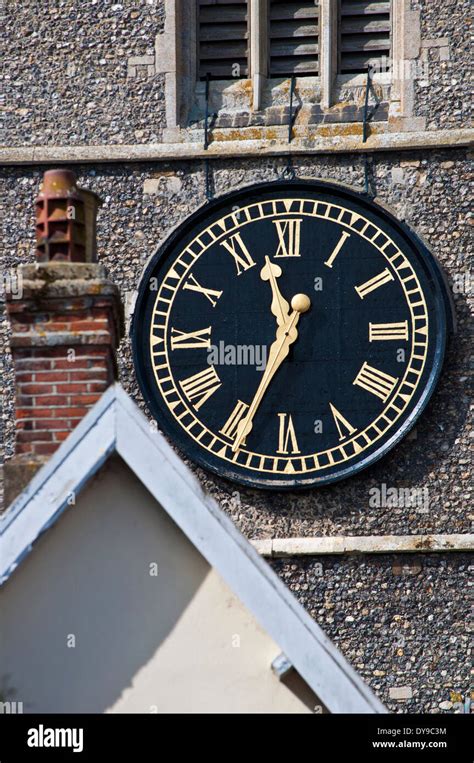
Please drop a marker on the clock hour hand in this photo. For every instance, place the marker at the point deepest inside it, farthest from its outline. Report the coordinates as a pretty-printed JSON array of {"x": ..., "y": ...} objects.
[
  {"x": 286, "y": 335},
  {"x": 280, "y": 307}
]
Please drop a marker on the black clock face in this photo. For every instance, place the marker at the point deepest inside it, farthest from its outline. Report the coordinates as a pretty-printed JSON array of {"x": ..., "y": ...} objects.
[{"x": 289, "y": 334}]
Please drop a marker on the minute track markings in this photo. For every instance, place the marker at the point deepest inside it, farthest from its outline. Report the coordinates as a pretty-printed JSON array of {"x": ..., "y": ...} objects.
[{"x": 416, "y": 305}]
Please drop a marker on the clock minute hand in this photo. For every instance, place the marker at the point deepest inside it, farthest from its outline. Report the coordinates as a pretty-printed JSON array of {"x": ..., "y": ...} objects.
[
  {"x": 285, "y": 336},
  {"x": 280, "y": 348},
  {"x": 279, "y": 307}
]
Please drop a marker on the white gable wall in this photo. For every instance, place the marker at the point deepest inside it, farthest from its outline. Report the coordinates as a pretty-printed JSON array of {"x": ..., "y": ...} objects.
[{"x": 143, "y": 643}]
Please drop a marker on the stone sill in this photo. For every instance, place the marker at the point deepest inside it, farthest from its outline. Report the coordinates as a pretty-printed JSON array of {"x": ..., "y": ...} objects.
[
  {"x": 381, "y": 544},
  {"x": 337, "y": 139}
]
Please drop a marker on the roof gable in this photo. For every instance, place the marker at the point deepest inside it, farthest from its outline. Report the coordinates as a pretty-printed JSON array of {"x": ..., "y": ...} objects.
[{"x": 115, "y": 424}]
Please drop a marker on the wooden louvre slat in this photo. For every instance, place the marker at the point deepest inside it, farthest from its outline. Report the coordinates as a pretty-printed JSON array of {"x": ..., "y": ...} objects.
[
  {"x": 364, "y": 25},
  {"x": 364, "y": 35},
  {"x": 294, "y": 37},
  {"x": 356, "y": 8},
  {"x": 223, "y": 39},
  {"x": 293, "y": 11}
]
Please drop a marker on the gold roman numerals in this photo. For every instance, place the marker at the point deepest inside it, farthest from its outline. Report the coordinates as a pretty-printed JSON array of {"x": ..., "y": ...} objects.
[
  {"x": 286, "y": 435},
  {"x": 267, "y": 445},
  {"x": 211, "y": 294},
  {"x": 343, "y": 427},
  {"x": 375, "y": 381},
  {"x": 383, "y": 332},
  {"x": 230, "y": 427},
  {"x": 379, "y": 280},
  {"x": 181, "y": 340},
  {"x": 337, "y": 249},
  {"x": 199, "y": 387},
  {"x": 289, "y": 237},
  {"x": 239, "y": 252}
]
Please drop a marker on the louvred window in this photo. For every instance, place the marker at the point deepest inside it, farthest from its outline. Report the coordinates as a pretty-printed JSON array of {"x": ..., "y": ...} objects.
[
  {"x": 293, "y": 38},
  {"x": 223, "y": 39},
  {"x": 364, "y": 35}
]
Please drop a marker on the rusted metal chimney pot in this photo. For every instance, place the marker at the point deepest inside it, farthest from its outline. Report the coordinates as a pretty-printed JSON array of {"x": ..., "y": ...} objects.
[
  {"x": 58, "y": 183},
  {"x": 65, "y": 219}
]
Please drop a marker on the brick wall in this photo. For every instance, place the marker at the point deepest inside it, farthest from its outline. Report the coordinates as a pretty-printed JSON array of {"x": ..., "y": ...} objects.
[
  {"x": 65, "y": 329},
  {"x": 54, "y": 392}
]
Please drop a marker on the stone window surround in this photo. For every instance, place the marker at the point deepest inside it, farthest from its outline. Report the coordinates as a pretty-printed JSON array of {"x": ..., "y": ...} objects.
[{"x": 176, "y": 59}]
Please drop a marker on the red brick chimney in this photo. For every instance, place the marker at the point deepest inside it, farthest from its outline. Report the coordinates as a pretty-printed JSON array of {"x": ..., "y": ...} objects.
[{"x": 66, "y": 324}]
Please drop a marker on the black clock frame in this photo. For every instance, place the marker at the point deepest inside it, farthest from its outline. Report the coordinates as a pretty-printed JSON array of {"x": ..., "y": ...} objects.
[{"x": 144, "y": 371}]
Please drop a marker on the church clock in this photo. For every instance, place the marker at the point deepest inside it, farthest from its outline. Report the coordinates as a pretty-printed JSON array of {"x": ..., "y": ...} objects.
[{"x": 289, "y": 334}]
